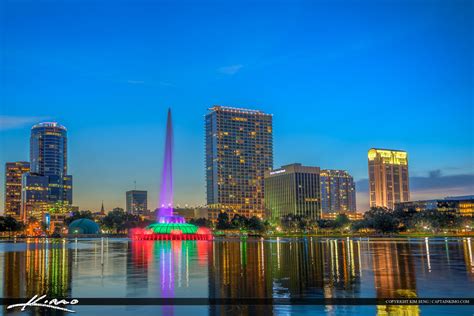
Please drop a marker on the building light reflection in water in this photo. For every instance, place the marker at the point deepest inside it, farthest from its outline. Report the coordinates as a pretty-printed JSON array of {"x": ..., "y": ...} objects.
[
  {"x": 467, "y": 246},
  {"x": 255, "y": 268},
  {"x": 43, "y": 267}
]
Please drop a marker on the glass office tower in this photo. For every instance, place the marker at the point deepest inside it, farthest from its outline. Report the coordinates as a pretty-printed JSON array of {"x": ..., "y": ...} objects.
[
  {"x": 47, "y": 188},
  {"x": 239, "y": 149},
  {"x": 293, "y": 189},
  {"x": 48, "y": 149},
  {"x": 137, "y": 202}
]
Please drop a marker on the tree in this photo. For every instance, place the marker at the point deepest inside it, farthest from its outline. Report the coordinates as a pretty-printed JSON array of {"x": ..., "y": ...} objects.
[
  {"x": 120, "y": 221},
  {"x": 297, "y": 222},
  {"x": 434, "y": 220},
  {"x": 78, "y": 215},
  {"x": 239, "y": 222},
  {"x": 288, "y": 222},
  {"x": 405, "y": 217},
  {"x": 200, "y": 222},
  {"x": 255, "y": 223},
  {"x": 9, "y": 224},
  {"x": 325, "y": 223},
  {"x": 341, "y": 221},
  {"x": 223, "y": 221},
  {"x": 381, "y": 219}
]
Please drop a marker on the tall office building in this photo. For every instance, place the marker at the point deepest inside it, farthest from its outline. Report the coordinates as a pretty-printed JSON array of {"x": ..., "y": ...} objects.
[
  {"x": 13, "y": 173},
  {"x": 47, "y": 188},
  {"x": 48, "y": 149},
  {"x": 137, "y": 202},
  {"x": 338, "y": 193},
  {"x": 388, "y": 177},
  {"x": 293, "y": 189},
  {"x": 239, "y": 149}
]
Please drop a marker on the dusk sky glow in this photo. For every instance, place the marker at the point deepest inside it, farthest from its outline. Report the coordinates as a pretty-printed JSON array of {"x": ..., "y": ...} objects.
[{"x": 339, "y": 78}]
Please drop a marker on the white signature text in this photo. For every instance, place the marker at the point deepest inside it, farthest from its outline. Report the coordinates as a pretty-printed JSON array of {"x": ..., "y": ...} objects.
[{"x": 39, "y": 301}]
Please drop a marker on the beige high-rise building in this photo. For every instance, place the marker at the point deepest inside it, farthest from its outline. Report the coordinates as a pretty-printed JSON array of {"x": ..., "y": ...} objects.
[
  {"x": 239, "y": 149},
  {"x": 13, "y": 173},
  {"x": 388, "y": 177}
]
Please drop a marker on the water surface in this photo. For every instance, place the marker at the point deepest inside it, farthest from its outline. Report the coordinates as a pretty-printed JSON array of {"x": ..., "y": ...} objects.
[{"x": 234, "y": 268}]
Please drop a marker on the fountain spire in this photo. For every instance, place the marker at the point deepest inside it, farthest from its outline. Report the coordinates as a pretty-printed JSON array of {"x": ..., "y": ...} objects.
[
  {"x": 165, "y": 206},
  {"x": 169, "y": 226}
]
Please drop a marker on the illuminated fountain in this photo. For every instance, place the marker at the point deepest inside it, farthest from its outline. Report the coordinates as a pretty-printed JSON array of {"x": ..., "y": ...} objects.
[{"x": 169, "y": 226}]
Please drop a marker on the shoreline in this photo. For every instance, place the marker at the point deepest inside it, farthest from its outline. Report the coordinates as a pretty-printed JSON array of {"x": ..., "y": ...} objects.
[{"x": 255, "y": 236}]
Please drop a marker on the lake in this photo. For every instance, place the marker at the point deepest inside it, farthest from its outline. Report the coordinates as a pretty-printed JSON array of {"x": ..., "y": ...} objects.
[{"x": 279, "y": 268}]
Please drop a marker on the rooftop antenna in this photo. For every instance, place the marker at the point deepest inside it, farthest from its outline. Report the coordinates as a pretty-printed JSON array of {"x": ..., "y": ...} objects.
[{"x": 135, "y": 184}]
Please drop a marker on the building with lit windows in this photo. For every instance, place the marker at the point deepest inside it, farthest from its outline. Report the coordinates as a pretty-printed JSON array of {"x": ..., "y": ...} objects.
[
  {"x": 293, "y": 189},
  {"x": 239, "y": 149},
  {"x": 13, "y": 173},
  {"x": 137, "y": 202},
  {"x": 388, "y": 177},
  {"x": 47, "y": 188},
  {"x": 460, "y": 205},
  {"x": 338, "y": 194}
]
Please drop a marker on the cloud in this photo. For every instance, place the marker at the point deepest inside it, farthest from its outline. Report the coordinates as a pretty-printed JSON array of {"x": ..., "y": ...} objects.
[
  {"x": 435, "y": 173},
  {"x": 230, "y": 70},
  {"x": 434, "y": 186},
  {"x": 12, "y": 122}
]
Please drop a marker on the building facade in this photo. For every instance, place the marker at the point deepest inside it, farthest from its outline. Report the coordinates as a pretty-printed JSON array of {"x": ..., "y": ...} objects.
[
  {"x": 388, "y": 177},
  {"x": 13, "y": 174},
  {"x": 47, "y": 188},
  {"x": 239, "y": 149},
  {"x": 137, "y": 202},
  {"x": 293, "y": 189},
  {"x": 338, "y": 194},
  {"x": 463, "y": 205}
]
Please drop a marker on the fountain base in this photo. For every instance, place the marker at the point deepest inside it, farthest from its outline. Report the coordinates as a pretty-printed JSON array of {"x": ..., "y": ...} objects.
[{"x": 172, "y": 231}]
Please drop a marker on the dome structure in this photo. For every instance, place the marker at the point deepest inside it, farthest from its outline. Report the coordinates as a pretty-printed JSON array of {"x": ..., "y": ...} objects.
[{"x": 83, "y": 226}]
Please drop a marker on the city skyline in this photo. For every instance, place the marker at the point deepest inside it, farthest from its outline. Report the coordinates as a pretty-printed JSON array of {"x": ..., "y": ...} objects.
[
  {"x": 364, "y": 208},
  {"x": 338, "y": 82}
]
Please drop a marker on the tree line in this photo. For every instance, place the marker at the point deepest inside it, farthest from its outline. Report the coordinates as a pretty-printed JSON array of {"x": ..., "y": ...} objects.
[
  {"x": 382, "y": 220},
  {"x": 377, "y": 219}
]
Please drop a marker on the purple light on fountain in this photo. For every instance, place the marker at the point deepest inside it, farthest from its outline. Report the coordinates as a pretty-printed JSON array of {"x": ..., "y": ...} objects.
[{"x": 165, "y": 206}]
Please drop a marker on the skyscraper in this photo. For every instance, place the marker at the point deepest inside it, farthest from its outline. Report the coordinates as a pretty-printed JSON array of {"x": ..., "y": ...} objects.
[
  {"x": 239, "y": 149},
  {"x": 388, "y": 177},
  {"x": 13, "y": 173},
  {"x": 338, "y": 193},
  {"x": 293, "y": 189},
  {"x": 47, "y": 187},
  {"x": 48, "y": 149},
  {"x": 137, "y": 202}
]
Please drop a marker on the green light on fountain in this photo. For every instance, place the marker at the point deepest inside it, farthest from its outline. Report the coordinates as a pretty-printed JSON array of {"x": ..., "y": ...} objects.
[{"x": 167, "y": 228}]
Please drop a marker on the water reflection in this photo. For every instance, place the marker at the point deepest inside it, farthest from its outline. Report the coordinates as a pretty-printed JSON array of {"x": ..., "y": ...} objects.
[
  {"x": 394, "y": 276},
  {"x": 239, "y": 269},
  {"x": 42, "y": 268},
  {"x": 249, "y": 268}
]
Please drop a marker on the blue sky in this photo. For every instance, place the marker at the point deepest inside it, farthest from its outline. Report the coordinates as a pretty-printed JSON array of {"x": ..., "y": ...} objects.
[{"x": 338, "y": 76}]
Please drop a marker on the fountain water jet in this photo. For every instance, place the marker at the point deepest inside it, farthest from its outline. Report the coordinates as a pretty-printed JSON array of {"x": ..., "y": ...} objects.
[
  {"x": 165, "y": 205},
  {"x": 168, "y": 225}
]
